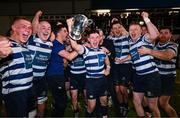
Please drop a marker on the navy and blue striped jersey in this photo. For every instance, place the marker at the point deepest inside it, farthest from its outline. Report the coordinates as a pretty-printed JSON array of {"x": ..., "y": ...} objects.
[
  {"x": 121, "y": 45},
  {"x": 41, "y": 53},
  {"x": 16, "y": 70},
  {"x": 144, "y": 64},
  {"x": 167, "y": 67},
  {"x": 95, "y": 62},
  {"x": 77, "y": 65}
]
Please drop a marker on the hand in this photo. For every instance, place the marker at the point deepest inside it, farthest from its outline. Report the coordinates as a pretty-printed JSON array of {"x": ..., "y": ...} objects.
[
  {"x": 39, "y": 13},
  {"x": 143, "y": 50},
  {"x": 144, "y": 15},
  {"x": 107, "y": 72},
  {"x": 114, "y": 19},
  {"x": 104, "y": 50},
  {"x": 5, "y": 48},
  {"x": 124, "y": 31},
  {"x": 118, "y": 60},
  {"x": 69, "y": 23},
  {"x": 58, "y": 23}
]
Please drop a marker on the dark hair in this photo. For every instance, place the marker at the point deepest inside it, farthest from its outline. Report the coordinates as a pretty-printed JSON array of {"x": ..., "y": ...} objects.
[
  {"x": 166, "y": 27},
  {"x": 92, "y": 31},
  {"x": 57, "y": 28},
  {"x": 134, "y": 23},
  {"x": 116, "y": 22}
]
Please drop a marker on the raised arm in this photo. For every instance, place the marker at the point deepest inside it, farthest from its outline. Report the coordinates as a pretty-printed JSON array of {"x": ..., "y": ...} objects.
[
  {"x": 153, "y": 32},
  {"x": 35, "y": 21},
  {"x": 124, "y": 31},
  {"x": 77, "y": 47}
]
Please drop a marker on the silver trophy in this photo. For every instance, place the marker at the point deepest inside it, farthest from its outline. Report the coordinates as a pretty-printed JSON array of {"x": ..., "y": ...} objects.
[{"x": 80, "y": 23}]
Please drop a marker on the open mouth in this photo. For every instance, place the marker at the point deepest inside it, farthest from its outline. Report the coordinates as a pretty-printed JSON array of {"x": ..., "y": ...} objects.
[
  {"x": 133, "y": 35},
  {"x": 95, "y": 43},
  {"x": 25, "y": 35},
  {"x": 45, "y": 34}
]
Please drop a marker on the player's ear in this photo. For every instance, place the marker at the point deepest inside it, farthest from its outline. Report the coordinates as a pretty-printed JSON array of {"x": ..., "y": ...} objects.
[{"x": 13, "y": 27}]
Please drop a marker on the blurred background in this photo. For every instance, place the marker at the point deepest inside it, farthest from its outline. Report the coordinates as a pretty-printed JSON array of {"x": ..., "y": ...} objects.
[{"x": 162, "y": 12}]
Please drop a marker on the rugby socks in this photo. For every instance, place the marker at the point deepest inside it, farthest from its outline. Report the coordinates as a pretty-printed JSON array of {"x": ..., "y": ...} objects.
[
  {"x": 125, "y": 112},
  {"x": 125, "y": 105},
  {"x": 123, "y": 109}
]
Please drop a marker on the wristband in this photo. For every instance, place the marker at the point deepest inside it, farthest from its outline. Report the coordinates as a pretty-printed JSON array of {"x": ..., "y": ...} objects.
[{"x": 147, "y": 20}]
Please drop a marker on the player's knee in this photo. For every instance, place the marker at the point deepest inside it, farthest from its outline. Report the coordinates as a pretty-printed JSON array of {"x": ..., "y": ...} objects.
[
  {"x": 137, "y": 102},
  {"x": 153, "y": 106},
  {"x": 164, "y": 100},
  {"x": 162, "y": 104},
  {"x": 90, "y": 108}
]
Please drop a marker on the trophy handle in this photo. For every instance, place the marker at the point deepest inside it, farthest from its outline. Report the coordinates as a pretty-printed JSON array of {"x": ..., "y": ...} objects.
[{"x": 89, "y": 22}]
